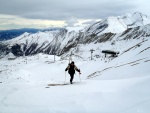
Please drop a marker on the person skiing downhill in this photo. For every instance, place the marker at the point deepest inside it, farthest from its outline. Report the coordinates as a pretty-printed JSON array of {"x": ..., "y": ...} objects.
[{"x": 71, "y": 70}]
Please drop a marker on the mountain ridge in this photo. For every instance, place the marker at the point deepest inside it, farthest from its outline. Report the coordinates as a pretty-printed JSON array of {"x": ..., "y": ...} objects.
[{"x": 128, "y": 26}]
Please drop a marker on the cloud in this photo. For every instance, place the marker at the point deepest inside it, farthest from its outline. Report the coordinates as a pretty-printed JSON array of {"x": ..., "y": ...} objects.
[
  {"x": 71, "y": 22},
  {"x": 38, "y": 13},
  {"x": 62, "y": 9},
  {"x": 15, "y": 22},
  {"x": 90, "y": 22}
]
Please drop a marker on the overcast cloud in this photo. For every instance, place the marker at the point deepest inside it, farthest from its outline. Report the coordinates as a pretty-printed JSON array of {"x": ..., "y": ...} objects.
[{"x": 61, "y": 10}]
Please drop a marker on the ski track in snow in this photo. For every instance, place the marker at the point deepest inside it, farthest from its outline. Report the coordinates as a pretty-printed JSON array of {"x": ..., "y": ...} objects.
[{"x": 30, "y": 95}]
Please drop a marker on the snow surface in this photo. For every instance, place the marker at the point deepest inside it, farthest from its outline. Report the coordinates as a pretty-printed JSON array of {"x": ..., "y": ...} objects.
[{"x": 119, "y": 85}]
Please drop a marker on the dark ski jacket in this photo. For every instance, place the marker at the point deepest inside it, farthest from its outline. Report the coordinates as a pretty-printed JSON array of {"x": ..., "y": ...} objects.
[{"x": 71, "y": 69}]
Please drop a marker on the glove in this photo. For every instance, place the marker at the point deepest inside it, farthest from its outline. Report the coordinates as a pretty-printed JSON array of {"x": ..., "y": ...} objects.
[{"x": 79, "y": 71}]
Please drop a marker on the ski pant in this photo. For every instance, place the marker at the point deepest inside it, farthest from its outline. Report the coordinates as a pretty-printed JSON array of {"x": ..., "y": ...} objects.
[{"x": 71, "y": 77}]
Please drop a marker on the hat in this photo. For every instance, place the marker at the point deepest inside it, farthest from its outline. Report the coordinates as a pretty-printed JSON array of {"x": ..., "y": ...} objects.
[{"x": 72, "y": 62}]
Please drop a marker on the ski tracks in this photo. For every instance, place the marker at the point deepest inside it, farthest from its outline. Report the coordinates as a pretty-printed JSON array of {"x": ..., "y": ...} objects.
[{"x": 4, "y": 96}]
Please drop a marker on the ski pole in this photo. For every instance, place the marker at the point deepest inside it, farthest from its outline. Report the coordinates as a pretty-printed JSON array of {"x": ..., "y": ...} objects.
[
  {"x": 65, "y": 77},
  {"x": 79, "y": 77}
]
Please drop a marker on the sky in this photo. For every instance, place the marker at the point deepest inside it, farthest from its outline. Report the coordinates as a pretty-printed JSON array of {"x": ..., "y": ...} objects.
[{"x": 16, "y": 14}]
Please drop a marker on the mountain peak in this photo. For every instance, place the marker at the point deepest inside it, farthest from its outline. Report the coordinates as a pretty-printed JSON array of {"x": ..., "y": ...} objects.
[
  {"x": 135, "y": 14},
  {"x": 139, "y": 13},
  {"x": 118, "y": 24}
]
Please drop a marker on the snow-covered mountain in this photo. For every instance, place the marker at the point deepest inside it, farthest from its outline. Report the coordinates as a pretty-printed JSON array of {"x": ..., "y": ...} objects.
[
  {"x": 28, "y": 44},
  {"x": 49, "y": 42},
  {"x": 118, "y": 24},
  {"x": 128, "y": 26}
]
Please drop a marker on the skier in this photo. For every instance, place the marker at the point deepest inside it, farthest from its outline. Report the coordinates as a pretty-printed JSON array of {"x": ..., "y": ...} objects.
[{"x": 71, "y": 70}]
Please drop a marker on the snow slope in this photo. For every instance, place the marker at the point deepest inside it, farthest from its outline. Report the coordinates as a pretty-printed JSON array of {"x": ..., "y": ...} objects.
[{"x": 119, "y": 85}]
